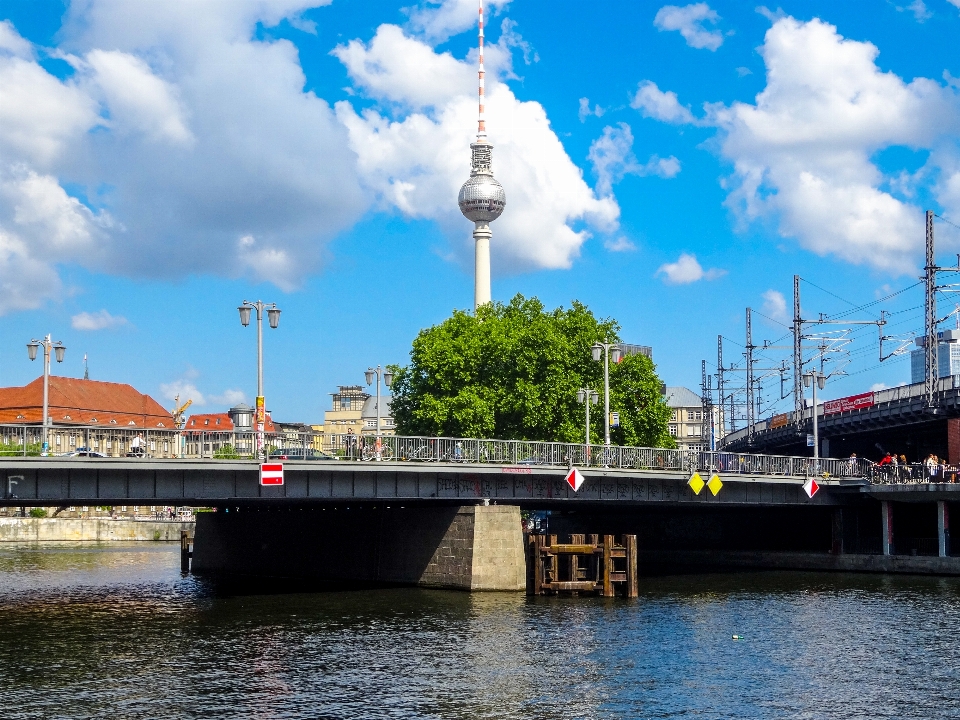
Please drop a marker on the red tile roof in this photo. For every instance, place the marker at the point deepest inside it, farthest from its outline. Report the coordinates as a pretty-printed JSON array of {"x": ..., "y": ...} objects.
[
  {"x": 220, "y": 422},
  {"x": 73, "y": 401}
]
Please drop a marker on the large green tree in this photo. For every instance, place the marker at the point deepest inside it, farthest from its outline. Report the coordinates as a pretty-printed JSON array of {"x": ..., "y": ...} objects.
[{"x": 512, "y": 371}]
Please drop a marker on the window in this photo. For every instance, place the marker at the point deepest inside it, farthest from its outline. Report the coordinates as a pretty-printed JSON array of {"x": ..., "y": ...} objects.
[
  {"x": 218, "y": 421},
  {"x": 371, "y": 423},
  {"x": 693, "y": 431},
  {"x": 58, "y": 439},
  {"x": 166, "y": 446},
  {"x": 153, "y": 445},
  {"x": 207, "y": 421},
  {"x": 673, "y": 431},
  {"x": 673, "y": 415},
  {"x": 73, "y": 440}
]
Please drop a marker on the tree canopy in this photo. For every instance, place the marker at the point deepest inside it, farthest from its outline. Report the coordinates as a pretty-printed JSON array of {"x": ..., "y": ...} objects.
[{"x": 513, "y": 371}]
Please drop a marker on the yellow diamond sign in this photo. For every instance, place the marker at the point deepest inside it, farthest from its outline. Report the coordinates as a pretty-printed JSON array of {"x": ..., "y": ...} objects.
[
  {"x": 715, "y": 484},
  {"x": 696, "y": 483}
]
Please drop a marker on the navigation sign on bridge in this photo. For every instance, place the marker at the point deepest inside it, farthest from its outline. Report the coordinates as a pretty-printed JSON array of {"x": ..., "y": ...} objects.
[
  {"x": 810, "y": 487},
  {"x": 271, "y": 474},
  {"x": 574, "y": 479}
]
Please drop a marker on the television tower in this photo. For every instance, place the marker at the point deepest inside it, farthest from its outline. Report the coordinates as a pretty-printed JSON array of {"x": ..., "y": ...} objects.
[{"x": 481, "y": 198}]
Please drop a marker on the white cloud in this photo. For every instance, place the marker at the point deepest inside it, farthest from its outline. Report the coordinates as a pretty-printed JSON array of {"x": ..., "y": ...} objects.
[
  {"x": 654, "y": 103},
  {"x": 802, "y": 152},
  {"x": 775, "y": 306},
  {"x": 183, "y": 388},
  {"x": 687, "y": 270},
  {"x": 743, "y": 71},
  {"x": 954, "y": 2},
  {"x": 184, "y": 126},
  {"x": 690, "y": 20},
  {"x": 620, "y": 244},
  {"x": 137, "y": 98},
  {"x": 228, "y": 398},
  {"x": 919, "y": 10},
  {"x": 418, "y": 163},
  {"x": 101, "y": 320},
  {"x": 439, "y": 20},
  {"x": 612, "y": 158},
  {"x": 586, "y": 111}
]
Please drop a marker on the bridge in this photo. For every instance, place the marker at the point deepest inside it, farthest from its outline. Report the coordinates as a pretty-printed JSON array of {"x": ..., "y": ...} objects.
[
  {"x": 869, "y": 424},
  {"x": 451, "y": 517}
]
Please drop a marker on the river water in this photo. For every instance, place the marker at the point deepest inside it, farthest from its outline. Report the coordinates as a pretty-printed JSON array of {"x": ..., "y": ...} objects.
[{"x": 114, "y": 631}]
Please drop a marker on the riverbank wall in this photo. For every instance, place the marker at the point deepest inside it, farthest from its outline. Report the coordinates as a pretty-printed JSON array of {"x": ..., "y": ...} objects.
[{"x": 16, "y": 529}]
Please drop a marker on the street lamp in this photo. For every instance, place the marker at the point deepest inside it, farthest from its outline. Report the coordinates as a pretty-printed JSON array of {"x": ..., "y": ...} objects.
[
  {"x": 273, "y": 314},
  {"x": 815, "y": 379},
  {"x": 607, "y": 351},
  {"x": 588, "y": 397},
  {"x": 59, "y": 349},
  {"x": 387, "y": 375}
]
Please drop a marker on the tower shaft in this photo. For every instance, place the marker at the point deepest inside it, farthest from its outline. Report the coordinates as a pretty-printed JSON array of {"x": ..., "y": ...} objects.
[{"x": 481, "y": 284}]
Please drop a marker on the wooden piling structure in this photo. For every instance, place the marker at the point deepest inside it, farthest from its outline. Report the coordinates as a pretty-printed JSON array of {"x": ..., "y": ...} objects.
[{"x": 591, "y": 565}]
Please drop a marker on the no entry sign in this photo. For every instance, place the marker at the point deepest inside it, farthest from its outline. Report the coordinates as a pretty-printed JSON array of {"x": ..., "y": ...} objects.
[{"x": 271, "y": 474}]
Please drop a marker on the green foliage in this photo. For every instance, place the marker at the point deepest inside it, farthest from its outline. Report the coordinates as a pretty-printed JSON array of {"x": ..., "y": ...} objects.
[
  {"x": 38, "y": 512},
  {"x": 226, "y": 452},
  {"x": 13, "y": 449},
  {"x": 156, "y": 535},
  {"x": 513, "y": 371}
]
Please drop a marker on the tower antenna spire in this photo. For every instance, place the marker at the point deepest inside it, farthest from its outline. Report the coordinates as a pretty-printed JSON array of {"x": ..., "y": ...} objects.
[
  {"x": 481, "y": 122},
  {"x": 481, "y": 198}
]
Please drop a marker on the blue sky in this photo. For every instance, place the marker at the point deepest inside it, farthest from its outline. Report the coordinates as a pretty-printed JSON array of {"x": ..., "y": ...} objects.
[{"x": 668, "y": 165}]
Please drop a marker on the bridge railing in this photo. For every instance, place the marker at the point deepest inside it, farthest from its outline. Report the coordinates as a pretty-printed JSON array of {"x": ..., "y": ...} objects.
[
  {"x": 231, "y": 445},
  {"x": 912, "y": 474}
]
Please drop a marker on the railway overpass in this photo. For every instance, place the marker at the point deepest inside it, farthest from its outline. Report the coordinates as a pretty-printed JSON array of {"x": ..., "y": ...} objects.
[{"x": 897, "y": 420}]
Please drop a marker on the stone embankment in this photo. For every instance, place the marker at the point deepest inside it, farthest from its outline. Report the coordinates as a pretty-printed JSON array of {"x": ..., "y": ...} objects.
[{"x": 18, "y": 529}]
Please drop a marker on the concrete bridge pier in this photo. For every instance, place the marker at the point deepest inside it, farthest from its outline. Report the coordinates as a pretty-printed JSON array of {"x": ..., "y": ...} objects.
[{"x": 472, "y": 547}]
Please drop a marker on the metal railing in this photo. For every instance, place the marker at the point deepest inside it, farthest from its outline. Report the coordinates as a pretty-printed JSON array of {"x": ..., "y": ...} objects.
[
  {"x": 912, "y": 474},
  {"x": 193, "y": 444}
]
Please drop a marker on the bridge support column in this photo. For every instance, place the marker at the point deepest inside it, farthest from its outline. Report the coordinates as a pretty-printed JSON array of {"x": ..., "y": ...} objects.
[
  {"x": 464, "y": 548},
  {"x": 943, "y": 528},
  {"x": 836, "y": 532},
  {"x": 953, "y": 441},
  {"x": 886, "y": 512}
]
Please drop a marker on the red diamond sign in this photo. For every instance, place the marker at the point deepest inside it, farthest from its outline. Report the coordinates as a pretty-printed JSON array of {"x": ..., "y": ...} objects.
[
  {"x": 810, "y": 487},
  {"x": 574, "y": 479}
]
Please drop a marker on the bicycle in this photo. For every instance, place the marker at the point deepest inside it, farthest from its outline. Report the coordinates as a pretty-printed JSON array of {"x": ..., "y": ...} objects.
[{"x": 376, "y": 451}]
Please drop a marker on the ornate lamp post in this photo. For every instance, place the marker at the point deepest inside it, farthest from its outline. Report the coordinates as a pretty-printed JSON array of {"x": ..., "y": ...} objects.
[
  {"x": 273, "y": 314},
  {"x": 59, "y": 349},
  {"x": 388, "y": 381},
  {"x": 607, "y": 351}
]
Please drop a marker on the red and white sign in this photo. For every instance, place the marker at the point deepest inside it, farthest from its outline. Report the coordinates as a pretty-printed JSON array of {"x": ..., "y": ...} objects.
[
  {"x": 853, "y": 402},
  {"x": 574, "y": 479},
  {"x": 810, "y": 487},
  {"x": 271, "y": 474}
]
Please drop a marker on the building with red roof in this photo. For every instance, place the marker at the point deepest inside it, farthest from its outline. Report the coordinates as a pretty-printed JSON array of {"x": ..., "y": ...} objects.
[{"x": 101, "y": 416}]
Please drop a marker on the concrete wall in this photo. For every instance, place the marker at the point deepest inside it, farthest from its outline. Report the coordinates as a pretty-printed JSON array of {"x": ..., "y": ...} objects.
[
  {"x": 667, "y": 561},
  {"x": 89, "y": 529},
  {"x": 466, "y": 548}
]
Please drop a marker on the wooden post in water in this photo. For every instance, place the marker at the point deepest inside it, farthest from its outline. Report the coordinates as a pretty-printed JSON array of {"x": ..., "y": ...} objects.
[
  {"x": 630, "y": 541},
  {"x": 538, "y": 565},
  {"x": 185, "y": 553},
  {"x": 607, "y": 562},
  {"x": 574, "y": 560},
  {"x": 554, "y": 561}
]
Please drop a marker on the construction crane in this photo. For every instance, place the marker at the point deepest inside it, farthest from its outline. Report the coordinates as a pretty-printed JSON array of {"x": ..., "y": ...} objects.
[{"x": 178, "y": 411}]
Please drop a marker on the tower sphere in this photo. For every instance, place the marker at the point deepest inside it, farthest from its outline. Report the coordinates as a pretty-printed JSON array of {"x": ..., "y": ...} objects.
[{"x": 482, "y": 198}]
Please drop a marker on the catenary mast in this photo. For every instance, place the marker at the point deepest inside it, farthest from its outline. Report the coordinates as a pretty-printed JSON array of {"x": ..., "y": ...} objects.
[{"x": 481, "y": 198}]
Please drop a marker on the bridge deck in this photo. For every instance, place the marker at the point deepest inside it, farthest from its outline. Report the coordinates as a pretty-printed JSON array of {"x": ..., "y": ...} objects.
[{"x": 89, "y": 481}]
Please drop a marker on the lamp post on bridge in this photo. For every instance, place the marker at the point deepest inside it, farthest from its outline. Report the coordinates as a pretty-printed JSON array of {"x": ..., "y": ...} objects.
[
  {"x": 588, "y": 397},
  {"x": 59, "y": 349},
  {"x": 273, "y": 314},
  {"x": 606, "y": 351},
  {"x": 387, "y": 375},
  {"x": 815, "y": 379}
]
